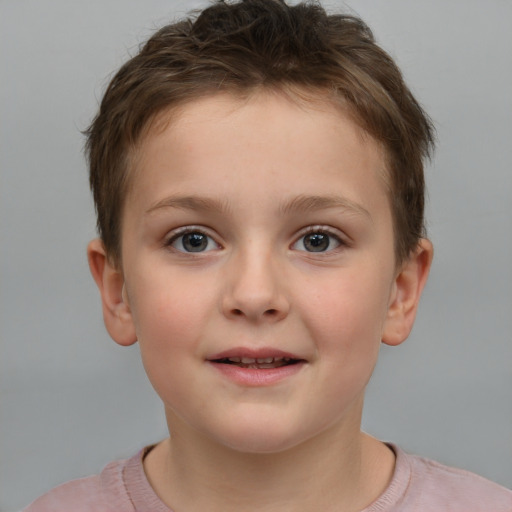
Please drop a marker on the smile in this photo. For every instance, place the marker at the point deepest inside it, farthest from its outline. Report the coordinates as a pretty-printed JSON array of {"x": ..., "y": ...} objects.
[
  {"x": 260, "y": 363},
  {"x": 256, "y": 368}
]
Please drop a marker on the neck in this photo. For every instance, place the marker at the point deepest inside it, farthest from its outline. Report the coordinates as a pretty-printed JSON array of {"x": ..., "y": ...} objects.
[{"x": 338, "y": 470}]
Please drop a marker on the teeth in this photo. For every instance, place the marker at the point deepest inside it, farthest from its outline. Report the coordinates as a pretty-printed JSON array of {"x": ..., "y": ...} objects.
[{"x": 259, "y": 360}]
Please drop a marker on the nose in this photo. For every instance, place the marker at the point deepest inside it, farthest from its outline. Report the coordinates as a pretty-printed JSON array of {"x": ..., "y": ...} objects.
[{"x": 255, "y": 289}]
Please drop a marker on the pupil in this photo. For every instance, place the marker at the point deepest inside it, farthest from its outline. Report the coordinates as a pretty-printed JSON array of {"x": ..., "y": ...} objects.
[
  {"x": 316, "y": 242},
  {"x": 195, "y": 242}
]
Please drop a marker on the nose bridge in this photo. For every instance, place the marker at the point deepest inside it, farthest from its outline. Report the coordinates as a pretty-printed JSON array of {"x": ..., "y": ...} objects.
[{"x": 255, "y": 284}]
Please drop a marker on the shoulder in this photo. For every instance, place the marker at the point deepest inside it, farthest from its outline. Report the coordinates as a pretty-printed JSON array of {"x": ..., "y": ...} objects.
[
  {"x": 99, "y": 493},
  {"x": 434, "y": 486}
]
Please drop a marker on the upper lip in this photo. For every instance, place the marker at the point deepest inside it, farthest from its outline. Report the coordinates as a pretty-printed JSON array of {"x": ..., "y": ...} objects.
[{"x": 251, "y": 353}]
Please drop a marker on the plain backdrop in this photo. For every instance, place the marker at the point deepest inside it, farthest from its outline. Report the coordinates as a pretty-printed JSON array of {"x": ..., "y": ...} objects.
[{"x": 72, "y": 400}]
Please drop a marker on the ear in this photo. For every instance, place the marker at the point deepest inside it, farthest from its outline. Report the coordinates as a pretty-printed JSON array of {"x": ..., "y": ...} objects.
[
  {"x": 110, "y": 281},
  {"x": 406, "y": 293}
]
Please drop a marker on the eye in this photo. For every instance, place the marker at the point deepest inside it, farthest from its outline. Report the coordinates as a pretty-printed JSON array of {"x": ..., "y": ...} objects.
[
  {"x": 317, "y": 241},
  {"x": 192, "y": 241}
]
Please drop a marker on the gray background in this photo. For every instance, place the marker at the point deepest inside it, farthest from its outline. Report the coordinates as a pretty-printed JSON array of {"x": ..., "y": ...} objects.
[{"x": 72, "y": 400}]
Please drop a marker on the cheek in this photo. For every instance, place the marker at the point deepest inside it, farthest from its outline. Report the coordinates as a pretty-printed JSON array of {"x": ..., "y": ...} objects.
[
  {"x": 170, "y": 317},
  {"x": 169, "y": 322},
  {"x": 344, "y": 310},
  {"x": 169, "y": 304},
  {"x": 346, "y": 322}
]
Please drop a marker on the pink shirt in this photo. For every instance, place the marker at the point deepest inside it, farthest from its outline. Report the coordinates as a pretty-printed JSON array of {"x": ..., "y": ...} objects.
[{"x": 418, "y": 485}]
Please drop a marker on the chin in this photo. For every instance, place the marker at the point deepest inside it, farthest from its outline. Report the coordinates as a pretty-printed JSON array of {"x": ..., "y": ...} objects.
[{"x": 262, "y": 437}]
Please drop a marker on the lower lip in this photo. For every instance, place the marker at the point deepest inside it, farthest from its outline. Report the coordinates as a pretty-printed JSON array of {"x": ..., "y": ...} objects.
[{"x": 257, "y": 377}]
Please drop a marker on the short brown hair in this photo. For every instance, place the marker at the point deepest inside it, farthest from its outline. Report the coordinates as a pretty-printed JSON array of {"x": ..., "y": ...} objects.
[{"x": 239, "y": 47}]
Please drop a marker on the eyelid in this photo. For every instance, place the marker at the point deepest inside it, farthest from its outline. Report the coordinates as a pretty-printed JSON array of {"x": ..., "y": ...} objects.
[
  {"x": 340, "y": 237},
  {"x": 175, "y": 234},
  {"x": 323, "y": 228}
]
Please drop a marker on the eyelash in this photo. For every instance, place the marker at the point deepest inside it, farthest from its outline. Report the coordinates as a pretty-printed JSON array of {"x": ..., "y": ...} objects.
[
  {"x": 311, "y": 230},
  {"x": 321, "y": 230},
  {"x": 180, "y": 233}
]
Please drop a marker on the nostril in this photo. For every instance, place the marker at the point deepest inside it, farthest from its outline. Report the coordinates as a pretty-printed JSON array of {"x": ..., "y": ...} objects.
[{"x": 269, "y": 312}]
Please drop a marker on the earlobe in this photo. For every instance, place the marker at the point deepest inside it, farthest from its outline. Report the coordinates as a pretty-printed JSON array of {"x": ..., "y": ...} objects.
[
  {"x": 110, "y": 281},
  {"x": 406, "y": 293}
]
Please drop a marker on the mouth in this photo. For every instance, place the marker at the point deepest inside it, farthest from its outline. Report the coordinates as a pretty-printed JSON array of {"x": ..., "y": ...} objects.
[
  {"x": 255, "y": 368},
  {"x": 257, "y": 363}
]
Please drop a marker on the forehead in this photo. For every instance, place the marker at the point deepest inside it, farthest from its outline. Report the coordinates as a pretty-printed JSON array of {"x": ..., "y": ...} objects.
[{"x": 224, "y": 131}]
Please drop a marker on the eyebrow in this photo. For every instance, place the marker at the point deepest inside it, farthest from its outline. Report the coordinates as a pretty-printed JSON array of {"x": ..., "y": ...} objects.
[
  {"x": 302, "y": 203},
  {"x": 190, "y": 203}
]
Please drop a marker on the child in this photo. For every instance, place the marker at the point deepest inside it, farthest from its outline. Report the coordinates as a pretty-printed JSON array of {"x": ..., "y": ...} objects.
[{"x": 258, "y": 180}]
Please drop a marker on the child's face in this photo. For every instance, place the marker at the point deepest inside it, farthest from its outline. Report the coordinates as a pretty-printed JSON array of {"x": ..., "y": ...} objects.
[{"x": 259, "y": 230}]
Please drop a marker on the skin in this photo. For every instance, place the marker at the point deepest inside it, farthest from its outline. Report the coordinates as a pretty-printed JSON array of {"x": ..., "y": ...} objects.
[{"x": 259, "y": 180}]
